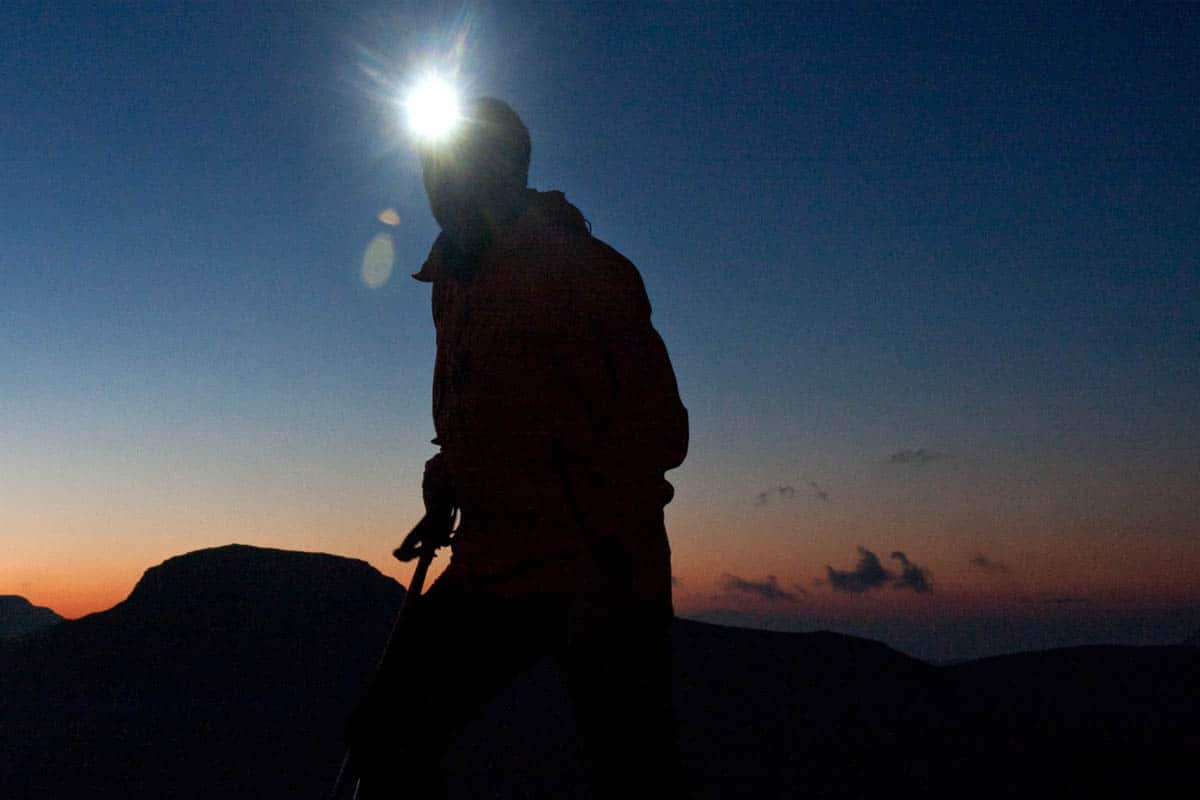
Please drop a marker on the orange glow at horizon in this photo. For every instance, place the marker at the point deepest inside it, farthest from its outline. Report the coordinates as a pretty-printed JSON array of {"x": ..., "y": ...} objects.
[
  {"x": 82, "y": 548},
  {"x": 1132, "y": 573}
]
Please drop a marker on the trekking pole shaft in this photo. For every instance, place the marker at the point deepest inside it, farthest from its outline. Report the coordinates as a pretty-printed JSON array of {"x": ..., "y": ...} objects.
[{"x": 415, "y": 587}]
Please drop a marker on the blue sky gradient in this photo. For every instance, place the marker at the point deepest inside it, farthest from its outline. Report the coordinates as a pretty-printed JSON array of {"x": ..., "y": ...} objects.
[{"x": 865, "y": 229}]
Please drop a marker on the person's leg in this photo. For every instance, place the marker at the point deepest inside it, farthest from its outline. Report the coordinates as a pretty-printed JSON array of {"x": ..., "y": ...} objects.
[
  {"x": 620, "y": 683},
  {"x": 454, "y": 651}
]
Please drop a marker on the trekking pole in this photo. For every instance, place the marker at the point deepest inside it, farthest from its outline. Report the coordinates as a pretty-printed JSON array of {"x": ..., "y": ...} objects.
[{"x": 422, "y": 544}]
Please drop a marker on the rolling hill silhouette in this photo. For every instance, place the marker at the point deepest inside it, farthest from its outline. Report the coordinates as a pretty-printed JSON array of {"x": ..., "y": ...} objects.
[
  {"x": 18, "y": 617},
  {"x": 228, "y": 672}
]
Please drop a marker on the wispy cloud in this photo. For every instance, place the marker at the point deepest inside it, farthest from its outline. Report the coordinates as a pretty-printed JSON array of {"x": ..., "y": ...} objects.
[
  {"x": 918, "y": 457},
  {"x": 911, "y": 576},
  {"x": 768, "y": 589},
  {"x": 788, "y": 492},
  {"x": 985, "y": 564},
  {"x": 869, "y": 573},
  {"x": 775, "y": 492}
]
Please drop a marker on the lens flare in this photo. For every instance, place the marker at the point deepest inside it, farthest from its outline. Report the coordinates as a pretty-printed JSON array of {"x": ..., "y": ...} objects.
[
  {"x": 378, "y": 260},
  {"x": 432, "y": 109}
]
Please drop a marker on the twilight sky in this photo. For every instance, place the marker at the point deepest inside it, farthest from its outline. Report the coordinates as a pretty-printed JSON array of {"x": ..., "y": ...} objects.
[{"x": 930, "y": 280}]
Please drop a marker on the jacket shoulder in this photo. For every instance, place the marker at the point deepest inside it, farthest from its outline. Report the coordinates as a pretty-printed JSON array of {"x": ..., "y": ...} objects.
[{"x": 608, "y": 282}]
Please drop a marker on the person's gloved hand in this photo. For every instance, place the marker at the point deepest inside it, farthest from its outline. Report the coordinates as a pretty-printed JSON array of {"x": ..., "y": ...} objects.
[
  {"x": 433, "y": 530},
  {"x": 437, "y": 485}
]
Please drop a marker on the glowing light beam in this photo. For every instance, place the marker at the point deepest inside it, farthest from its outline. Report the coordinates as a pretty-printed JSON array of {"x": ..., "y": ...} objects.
[{"x": 432, "y": 109}]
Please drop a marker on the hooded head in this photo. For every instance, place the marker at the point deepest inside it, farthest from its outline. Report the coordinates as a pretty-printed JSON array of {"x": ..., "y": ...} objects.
[{"x": 476, "y": 181}]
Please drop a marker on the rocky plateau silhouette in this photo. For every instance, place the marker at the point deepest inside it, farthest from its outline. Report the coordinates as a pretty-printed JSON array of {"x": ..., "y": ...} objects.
[{"x": 229, "y": 672}]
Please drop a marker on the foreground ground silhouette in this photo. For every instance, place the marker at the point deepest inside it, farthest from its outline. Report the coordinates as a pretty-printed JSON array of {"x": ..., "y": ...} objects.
[{"x": 228, "y": 673}]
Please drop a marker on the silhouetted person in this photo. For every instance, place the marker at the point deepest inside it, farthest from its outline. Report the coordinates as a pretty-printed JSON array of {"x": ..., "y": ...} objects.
[{"x": 557, "y": 412}]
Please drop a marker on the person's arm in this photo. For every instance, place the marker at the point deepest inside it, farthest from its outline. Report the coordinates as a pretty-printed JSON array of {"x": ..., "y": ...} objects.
[{"x": 633, "y": 425}]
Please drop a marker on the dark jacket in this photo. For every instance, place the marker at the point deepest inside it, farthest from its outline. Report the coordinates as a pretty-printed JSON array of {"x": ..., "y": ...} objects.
[{"x": 555, "y": 406}]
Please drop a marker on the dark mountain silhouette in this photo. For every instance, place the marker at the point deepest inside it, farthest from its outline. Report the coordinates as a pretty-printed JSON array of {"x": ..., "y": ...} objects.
[
  {"x": 228, "y": 672},
  {"x": 18, "y": 616},
  {"x": 1097, "y": 718},
  {"x": 1193, "y": 640}
]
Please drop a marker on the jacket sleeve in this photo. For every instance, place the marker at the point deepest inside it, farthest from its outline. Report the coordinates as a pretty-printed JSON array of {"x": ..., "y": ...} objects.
[{"x": 632, "y": 425}]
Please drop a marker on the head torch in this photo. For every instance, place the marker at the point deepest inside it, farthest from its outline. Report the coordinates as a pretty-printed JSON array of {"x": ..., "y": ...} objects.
[{"x": 432, "y": 110}]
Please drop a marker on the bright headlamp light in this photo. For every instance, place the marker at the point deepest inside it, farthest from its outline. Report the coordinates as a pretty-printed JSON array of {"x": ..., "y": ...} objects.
[{"x": 432, "y": 110}]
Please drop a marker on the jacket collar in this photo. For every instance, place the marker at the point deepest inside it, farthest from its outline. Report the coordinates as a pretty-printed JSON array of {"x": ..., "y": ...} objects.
[{"x": 545, "y": 209}]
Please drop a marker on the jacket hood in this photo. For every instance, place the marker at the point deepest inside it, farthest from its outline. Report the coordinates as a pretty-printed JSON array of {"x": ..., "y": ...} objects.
[{"x": 545, "y": 210}]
